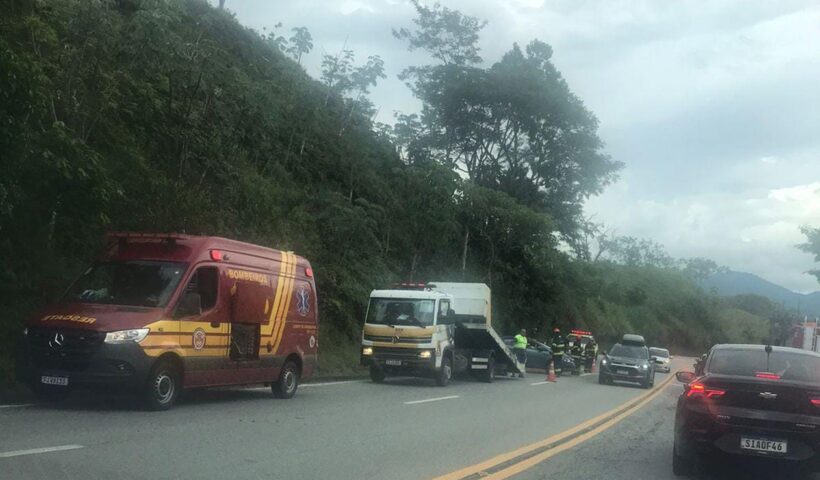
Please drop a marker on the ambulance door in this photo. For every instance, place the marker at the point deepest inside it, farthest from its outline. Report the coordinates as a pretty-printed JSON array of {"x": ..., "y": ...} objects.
[{"x": 204, "y": 335}]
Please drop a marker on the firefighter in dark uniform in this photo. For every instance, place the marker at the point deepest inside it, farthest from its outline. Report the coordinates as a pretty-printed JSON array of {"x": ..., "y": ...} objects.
[
  {"x": 590, "y": 352},
  {"x": 577, "y": 352},
  {"x": 559, "y": 344}
]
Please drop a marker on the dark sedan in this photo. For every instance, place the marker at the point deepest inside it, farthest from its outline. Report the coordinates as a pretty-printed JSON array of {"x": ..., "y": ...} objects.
[
  {"x": 538, "y": 354},
  {"x": 752, "y": 401}
]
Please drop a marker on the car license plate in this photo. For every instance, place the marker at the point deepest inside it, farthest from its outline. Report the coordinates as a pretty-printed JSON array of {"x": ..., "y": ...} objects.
[
  {"x": 394, "y": 363},
  {"x": 622, "y": 372},
  {"x": 763, "y": 445},
  {"x": 62, "y": 381}
]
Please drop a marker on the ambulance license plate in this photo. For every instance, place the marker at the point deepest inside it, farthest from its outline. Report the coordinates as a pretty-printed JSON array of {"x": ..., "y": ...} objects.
[
  {"x": 393, "y": 363},
  {"x": 62, "y": 381},
  {"x": 763, "y": 445}
]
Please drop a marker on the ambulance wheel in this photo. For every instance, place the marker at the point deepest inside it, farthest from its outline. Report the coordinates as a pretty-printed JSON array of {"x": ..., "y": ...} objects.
[
  {"x": 445, "y": 372},
  {"x": 163, "y": 386},
  {"x": 287, "y": 383},
  {"x": 376, "y": 374}
]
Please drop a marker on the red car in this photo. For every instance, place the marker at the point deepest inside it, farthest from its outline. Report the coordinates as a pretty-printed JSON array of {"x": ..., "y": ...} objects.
[
  {"x": 751, "y": 401},
  {"x": 158, "y": 313}
]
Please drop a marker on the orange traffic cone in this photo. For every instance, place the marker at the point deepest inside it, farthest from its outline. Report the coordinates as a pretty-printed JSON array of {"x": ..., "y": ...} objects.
[{"x": 551, "y": 377}]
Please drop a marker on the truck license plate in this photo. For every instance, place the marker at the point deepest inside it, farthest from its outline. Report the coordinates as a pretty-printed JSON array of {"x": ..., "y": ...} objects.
[
  {"x": 393, "y": 363},
  {"x": 763, "y": 445},
  {"x": 62, "y": 381}
]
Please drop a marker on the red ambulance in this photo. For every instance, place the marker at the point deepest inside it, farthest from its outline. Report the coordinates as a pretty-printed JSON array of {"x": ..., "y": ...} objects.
[{"x": 159, "y": 313}]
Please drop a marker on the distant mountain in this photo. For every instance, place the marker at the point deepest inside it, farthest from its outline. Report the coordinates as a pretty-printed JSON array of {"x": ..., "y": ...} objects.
[{"x": 738, "y": 283}]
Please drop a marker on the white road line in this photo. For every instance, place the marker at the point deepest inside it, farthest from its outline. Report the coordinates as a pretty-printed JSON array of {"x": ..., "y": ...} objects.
[
  {"x": 304, "y": 385},
  {"x": 325, "y": 384},
  {"x": 542, "y": 383},
  {"x": 414, "y": 402},
  {"x": 35, "y": 451},
  {"x": 585, "y": 374},
  {"x": 18, "y": 406}
]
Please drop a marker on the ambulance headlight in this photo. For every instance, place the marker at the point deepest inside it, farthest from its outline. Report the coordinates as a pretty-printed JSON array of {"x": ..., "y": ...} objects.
[
  {"x": 425, "y": 354},
  {"x": 126, "y": 336},
  {"x": 367, "y": 351}
]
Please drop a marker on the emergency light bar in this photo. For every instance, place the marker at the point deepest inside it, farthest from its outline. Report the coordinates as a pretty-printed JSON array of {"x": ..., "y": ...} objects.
[
  {"x": 146, "y": 236},
  {"x": 409, "y": 286},
  {"x": 580, "y": 332},
  {"x": 122, "y": 238}
]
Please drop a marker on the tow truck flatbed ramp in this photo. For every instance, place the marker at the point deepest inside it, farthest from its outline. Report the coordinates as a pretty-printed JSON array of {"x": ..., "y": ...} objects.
[{"x": 472, "y": 332}]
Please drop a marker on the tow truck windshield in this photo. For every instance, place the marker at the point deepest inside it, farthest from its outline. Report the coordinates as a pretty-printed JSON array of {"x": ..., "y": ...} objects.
[
  {"x": 394, "y": 311},
  {"x": 136, "y": 283}
]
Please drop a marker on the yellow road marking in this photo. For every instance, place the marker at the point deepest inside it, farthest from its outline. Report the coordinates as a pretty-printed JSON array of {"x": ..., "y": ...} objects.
[{"x": 518, "y": 467}]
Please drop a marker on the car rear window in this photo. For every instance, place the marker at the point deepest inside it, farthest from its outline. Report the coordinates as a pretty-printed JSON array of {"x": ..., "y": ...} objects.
[
  {"x": 659, "y": 352},
  {"x": 751, "y": 363}
]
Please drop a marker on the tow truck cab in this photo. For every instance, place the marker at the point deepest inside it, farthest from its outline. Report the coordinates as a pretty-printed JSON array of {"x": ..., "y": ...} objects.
[
  {"x": 161, "y": 312},
  {"x": 413, "y": 329}
]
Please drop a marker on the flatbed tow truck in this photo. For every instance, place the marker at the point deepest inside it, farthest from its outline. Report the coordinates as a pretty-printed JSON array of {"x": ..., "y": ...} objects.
[{"x": 436, "y": 329}]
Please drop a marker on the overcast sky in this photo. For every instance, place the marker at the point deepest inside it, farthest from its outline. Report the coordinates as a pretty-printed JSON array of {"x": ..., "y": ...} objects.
[{"x": 713, "y": 106}]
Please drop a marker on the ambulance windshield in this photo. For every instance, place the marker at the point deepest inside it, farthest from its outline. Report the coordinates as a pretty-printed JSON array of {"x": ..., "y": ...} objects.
[
  {"x": 136, "y": 283},
  {"x": 398, "y": 311}
]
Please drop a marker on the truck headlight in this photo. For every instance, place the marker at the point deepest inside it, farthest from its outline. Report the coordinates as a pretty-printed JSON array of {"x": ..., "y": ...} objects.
[
  {"x": 125, "y": 336},
  {"x": 367, "y": 351},
  {"x": 425, "y": 354}
]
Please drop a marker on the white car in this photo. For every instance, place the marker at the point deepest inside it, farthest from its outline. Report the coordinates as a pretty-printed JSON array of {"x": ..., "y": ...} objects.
[{"x": 663, "y": 360}]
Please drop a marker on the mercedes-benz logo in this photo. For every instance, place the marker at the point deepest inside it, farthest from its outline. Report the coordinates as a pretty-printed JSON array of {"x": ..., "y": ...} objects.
[
  {"x": 395, "y": 339},
  {"x": 57, "y": 341},
  {"x": 768, "y": 395}
]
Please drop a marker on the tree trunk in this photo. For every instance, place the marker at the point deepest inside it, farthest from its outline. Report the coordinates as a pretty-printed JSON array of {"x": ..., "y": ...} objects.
[
  {"x": 464, "y": 252},
  {"x": 413, "y": 266}
]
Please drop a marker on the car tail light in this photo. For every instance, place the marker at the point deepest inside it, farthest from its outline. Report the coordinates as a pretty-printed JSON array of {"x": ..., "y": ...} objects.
[
  {"x": 767, "y": 375},
  {"x": 699, "y": 390}
]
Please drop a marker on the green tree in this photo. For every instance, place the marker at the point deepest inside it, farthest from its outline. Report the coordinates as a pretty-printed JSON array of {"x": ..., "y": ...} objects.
[{"x": 812, "y": 246}]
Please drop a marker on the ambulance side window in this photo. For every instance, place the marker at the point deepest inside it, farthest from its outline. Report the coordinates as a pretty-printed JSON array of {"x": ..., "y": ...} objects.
[{"x": 205, "y": 282}]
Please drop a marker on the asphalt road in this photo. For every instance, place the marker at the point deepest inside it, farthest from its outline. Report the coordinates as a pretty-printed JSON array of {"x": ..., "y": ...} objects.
[{"x": 403, "y": 429}]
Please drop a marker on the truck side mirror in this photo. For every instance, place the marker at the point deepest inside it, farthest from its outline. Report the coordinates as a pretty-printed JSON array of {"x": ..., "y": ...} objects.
[{"x": 189, "y": 305}]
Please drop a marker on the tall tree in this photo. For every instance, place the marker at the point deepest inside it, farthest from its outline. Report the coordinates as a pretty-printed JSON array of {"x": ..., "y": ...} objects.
[
  {"x": 812, "y": 246},
  {"x": 301, "y": 43}
]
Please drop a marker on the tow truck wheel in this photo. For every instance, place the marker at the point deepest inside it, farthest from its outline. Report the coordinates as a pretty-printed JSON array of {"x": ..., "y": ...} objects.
[
  {"x": 446, "y": 372},
  {"x": 163, "y": 386},
  {"x": 489, "y": 375},
  {"x": 376, "y": 374},
  {"x": 288, "y": 381}
]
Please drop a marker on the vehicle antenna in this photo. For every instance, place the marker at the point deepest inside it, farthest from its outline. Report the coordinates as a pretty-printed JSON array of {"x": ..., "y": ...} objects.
[{"x": 768, "y": 350}]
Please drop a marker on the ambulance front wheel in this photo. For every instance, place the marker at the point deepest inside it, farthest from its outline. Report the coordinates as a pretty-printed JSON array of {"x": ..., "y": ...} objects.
[
  {"x": 288, "y": 382},
  {"x": 163, "y": 386},
  {"x": 376, "y": 374}
]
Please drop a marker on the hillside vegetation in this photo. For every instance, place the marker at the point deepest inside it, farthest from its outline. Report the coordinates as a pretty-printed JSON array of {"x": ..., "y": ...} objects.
[{"x": 170, "y": 116}]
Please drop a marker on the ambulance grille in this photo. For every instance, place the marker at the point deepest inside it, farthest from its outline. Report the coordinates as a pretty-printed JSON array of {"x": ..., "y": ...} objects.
[{"x": 63, "y": 349}]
